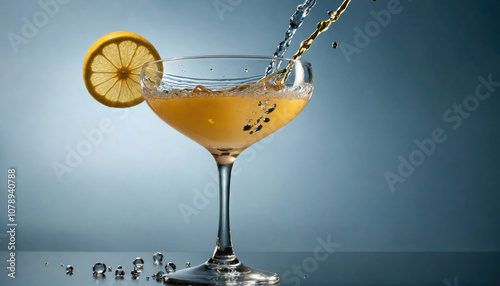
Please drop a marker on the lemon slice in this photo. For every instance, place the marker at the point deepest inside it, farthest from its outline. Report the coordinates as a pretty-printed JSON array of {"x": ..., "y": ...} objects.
[{"x": 112, "y": 68}]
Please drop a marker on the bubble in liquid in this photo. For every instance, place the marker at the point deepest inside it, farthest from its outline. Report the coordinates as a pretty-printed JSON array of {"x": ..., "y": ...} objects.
[
  {"x": 247, "y": 127},
  {"x": 69, "y": 269},
  {"x": 330, "y": 13},
  {"x": 271, "y": 109},
  {"x": 135, "y": 273},
  {"x": 188, "y": 264},
  {"x": 119, "y": 267},
  {"x": 62, "y": 265},
  {"x": 99, "y": 268},
  {"x": 172, "y": 267},
  {"x": 46, "y": 264},
  {"x": 183, "y": 70},
  {"x": 119, "y": 273},
  {"x": 246, "y": 70},
  {"x": 147, "y": 278},
  {"x": 158, "y": 257},
  {"x": 266, "y": 119},
  {"x": 258, "y": 128},
  {"x": 335, "y": 45},
  {"x": 110, "y": 269},
  {"x": 211, "y": 69},
  {"x": 305, "y": 276},
  {"x": 138, "y": 262}
]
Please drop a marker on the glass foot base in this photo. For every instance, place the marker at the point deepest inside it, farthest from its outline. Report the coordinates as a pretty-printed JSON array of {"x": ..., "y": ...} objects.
[{"x": 215, "y": 274}]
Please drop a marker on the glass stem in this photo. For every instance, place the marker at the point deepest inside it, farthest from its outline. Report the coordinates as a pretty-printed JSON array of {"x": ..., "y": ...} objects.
[{"x": 224, "y": 253}]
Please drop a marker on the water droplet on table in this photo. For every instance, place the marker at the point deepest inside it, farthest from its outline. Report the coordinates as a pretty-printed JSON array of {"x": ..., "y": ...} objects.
[
  {"x": 159, "y": 275},
  {"x": 138, "y": 262},
  {"x": 69, "y": 269},
  {"x": 99, "y": 268},
  {"x": 119, "y": 273},
  {"x": 135, "y": 273},
  {"x": 158, "y": 258},
  {"x": 172, "y": 267}
]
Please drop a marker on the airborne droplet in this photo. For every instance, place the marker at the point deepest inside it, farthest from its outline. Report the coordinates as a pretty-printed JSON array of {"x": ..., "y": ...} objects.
[{"x": 335, "y": 45}]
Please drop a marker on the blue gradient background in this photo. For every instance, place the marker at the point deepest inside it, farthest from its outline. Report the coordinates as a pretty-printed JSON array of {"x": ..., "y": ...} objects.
[{"x": 322, "y": 175}]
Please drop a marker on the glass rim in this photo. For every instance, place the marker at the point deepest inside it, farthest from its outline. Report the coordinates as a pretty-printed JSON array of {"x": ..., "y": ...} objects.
[{"x": 227, "y": 57}]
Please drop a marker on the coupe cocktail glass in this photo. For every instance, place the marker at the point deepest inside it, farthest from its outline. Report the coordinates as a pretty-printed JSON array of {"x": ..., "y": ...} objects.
[{"x": 225, "y": 103}]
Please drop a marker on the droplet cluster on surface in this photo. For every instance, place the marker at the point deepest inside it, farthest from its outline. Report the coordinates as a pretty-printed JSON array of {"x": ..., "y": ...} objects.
[{"x": 99, "y": 268}]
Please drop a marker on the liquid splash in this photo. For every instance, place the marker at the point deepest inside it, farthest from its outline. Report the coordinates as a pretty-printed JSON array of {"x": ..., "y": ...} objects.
[
  {"x": 295, "y": 22},
  {"x": 320, "y": 28}
]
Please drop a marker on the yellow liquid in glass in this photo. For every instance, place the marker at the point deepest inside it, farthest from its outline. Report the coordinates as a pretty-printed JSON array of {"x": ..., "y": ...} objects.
[{"x": 227, "y": 124}]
